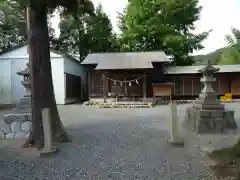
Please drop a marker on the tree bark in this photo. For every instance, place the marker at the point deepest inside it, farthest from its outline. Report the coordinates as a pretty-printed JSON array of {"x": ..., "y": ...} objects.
[
  {"x": 41, "y": 77},
  {"x": 36, "y": 136}
]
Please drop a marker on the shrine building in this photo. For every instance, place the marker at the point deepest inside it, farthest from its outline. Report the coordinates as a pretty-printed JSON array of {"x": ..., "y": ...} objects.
[{"x": 150, "y": 76}]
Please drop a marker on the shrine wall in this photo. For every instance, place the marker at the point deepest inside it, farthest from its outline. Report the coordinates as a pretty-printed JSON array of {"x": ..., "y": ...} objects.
[
  {"x": 17, "y": 89},
  {"x": 190, "y": 85},
  {"x": 5, "y": 82}
]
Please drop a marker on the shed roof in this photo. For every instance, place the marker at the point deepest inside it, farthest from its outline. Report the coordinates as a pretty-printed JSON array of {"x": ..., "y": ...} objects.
[
  {"x": 194, "y": 69},
  {"x": 129, "y": 63},
  {"x": 20, "y": 52},
  {"x": 128, "y": 60}
]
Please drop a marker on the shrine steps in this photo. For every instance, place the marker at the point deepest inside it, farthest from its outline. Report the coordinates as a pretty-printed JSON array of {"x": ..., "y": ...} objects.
[{"x": 119, "y": 104}]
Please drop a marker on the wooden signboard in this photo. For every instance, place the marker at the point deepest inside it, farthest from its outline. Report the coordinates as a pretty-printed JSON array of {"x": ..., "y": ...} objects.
[{"x": 162, "y": 90}]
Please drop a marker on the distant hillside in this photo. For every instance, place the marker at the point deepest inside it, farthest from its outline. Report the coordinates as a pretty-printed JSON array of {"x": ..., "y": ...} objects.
[{"x": 213, "y": 56}]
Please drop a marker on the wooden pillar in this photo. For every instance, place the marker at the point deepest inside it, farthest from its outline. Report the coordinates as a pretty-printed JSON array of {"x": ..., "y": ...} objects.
[
  {"x": 107, "y": 83},
  {"x": 219, "y": 87},
  {"x": 154, "y": 97},
  {"x": 125, "y": 86},
  {"x": 104, "y": 88},
  {"x": 192, "y": 87},
  {"x": 144, "y": 87},
  {"x": 183, "y": 88},
  {"x": 89, "y": 84},
  {"x": 174, "y": 87}
]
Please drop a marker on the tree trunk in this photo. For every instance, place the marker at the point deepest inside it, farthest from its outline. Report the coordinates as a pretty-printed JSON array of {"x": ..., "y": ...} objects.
[
  {"x": 41, "y": 77},
  {"x": 36, "y": 136}
]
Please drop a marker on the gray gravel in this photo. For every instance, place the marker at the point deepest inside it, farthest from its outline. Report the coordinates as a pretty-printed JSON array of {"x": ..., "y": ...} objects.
[{"x": 112, "y": 144}]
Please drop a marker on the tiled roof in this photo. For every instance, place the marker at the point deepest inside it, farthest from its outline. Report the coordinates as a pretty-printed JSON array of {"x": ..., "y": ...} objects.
[
  {"x": 129, "y": 60},
  {"x": 194, "y": 69}
]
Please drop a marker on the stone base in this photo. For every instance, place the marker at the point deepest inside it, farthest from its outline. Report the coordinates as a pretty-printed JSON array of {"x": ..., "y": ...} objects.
[
  {"x": 18, "y": 124},
  {"x": 21, "y": 113},
  {"x": 16, "y": 130},
  {"x": 175, "y": 141},
  {"x": 17, "y": 117},
  {"x": 46, "y": 152},
  {"x": 209, "y": 121}
]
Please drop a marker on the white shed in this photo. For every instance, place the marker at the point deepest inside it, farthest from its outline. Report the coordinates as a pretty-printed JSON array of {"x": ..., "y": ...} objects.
[{"x": 69, "y": 76}]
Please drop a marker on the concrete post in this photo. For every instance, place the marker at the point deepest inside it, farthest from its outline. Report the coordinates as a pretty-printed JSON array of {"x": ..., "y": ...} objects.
[
  {"x": 174, "y": 138},
  {"x": 48, "y": 148}
]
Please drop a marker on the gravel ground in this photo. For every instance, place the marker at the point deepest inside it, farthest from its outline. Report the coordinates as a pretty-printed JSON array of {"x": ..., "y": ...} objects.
[{"x": 111, "y": 144}]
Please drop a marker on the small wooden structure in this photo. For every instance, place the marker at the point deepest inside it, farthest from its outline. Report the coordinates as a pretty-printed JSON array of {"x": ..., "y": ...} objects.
[
  {"x": 163, "y": 90},
  {"x": 124, "y": 76}
]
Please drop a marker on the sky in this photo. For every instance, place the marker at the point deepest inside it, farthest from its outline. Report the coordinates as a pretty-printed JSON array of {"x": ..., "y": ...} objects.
[{"x": 217, "y": 15}]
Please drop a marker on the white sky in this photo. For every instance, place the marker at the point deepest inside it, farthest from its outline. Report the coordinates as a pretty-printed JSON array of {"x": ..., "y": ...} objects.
[{"x": 218, "y": 15}]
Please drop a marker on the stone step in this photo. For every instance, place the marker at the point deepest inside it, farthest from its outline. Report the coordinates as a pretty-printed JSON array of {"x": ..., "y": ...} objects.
[{"x": 124, "y": 105}]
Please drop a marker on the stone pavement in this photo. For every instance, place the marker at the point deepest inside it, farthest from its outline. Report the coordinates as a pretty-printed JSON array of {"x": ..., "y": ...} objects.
[{"x": 111, "y": 144}]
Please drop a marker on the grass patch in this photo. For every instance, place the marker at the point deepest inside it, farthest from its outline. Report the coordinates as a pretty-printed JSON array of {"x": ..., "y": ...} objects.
[{"x": 227, "y": 162}]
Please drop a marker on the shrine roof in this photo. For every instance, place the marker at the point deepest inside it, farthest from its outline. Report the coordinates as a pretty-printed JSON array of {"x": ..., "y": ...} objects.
[
  {"x": 126, "y": 60},
  {"x": 194, "y": 69}
]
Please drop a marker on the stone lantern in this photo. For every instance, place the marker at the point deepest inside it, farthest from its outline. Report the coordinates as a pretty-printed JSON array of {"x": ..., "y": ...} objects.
[
  {"x": 208, "y": 97},
  {"x": 18, "y": 123},
  {"x": 25, "y": 101},
  {"x": 208, "y": 115},
  {"x": 22, "y": 112},
  {"x": 26, "y": 80}
]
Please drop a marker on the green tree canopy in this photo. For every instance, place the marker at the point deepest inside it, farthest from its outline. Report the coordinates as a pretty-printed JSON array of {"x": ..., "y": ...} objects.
[
  {"x": 81, "y": 34},
  {"x": 100, "y": 32},
  {"x": 231, "y": 54},
  {"x": 162, "y": 25},
  {"x": 233, "y": 40},
  {"x": 13, "y": 29}
]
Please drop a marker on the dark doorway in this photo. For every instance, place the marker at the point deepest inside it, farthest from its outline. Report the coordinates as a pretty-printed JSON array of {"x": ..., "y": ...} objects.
[{"x": 73, "y": 86}]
